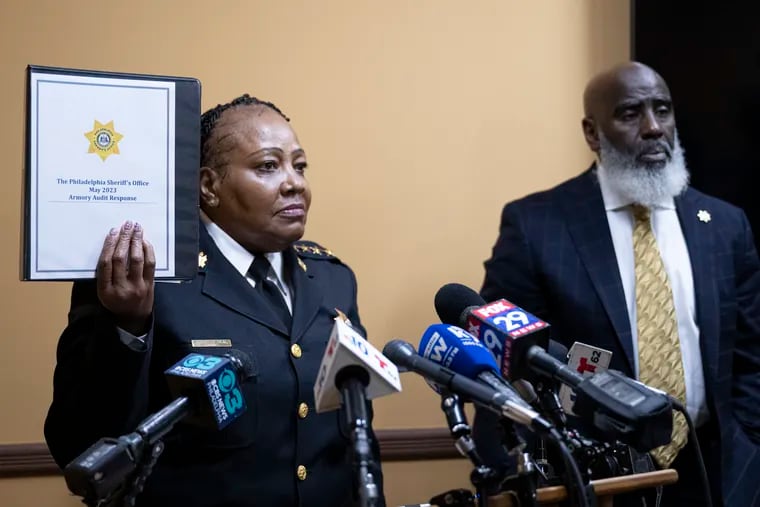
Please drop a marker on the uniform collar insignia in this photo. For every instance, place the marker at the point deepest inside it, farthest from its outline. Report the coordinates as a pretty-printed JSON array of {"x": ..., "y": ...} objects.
[{"x": 311, "y": 249}]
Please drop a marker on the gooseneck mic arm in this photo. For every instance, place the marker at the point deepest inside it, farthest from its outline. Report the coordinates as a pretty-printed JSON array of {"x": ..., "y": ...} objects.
[
  {"x": 460, "y": 430},
  {"x": 159, "y": 424},
  {"x": 352, "y": 382}
]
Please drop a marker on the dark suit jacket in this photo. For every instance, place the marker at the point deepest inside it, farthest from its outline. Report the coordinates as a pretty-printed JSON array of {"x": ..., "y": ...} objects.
[
  {"x": 555, "y": 258},
  {"x": 102, "y": 388}
]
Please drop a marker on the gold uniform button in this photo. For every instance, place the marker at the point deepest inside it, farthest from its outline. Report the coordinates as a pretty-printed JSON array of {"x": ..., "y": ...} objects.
[
  {"x": 301, "y": 472},
  {"x": 295, "y": 349},
  {"x": 303, "y": 410}
]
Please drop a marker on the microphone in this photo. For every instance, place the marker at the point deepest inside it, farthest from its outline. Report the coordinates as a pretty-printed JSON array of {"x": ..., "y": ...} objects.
[
  {"x": 210, "y": 384},
  {"x": 505, "y": 329},
  {"x": 610, "y": 401},
  {"x": 455, "y": 348},
  {"x": 619, "y": 407},
  {"x": 207, "y": 394},
  {"x": 404, "y": 354},
  {"x": 347, "y": 349},
  {"x": 463, "y": 354},
  {"x": 586, "y": 360},
  {"x": 353, "y": 371}
]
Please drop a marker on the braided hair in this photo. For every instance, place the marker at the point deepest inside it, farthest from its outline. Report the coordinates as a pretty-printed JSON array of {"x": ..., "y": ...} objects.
[{"x": 211, "y": 150}]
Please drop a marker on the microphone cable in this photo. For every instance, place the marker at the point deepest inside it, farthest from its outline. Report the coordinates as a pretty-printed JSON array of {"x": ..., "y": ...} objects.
[{"x": 695, "y": 442}]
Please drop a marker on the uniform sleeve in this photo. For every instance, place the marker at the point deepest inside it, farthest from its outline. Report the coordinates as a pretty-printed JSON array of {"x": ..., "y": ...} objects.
[{"x": 99, "y": 384}]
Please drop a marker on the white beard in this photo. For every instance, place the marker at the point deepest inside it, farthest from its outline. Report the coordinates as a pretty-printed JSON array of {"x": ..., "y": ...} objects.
[{"x": 640, "y": 183}]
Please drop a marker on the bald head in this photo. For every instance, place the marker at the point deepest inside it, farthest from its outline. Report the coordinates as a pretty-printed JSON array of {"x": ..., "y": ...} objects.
[
  {"x": 630, "y": 106},
  {"x": 600, "y": 87}
]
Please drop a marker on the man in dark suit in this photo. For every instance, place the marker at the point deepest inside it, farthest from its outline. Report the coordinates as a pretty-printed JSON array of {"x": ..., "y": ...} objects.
[
  {"x": 566, "y": 254},
  {"x": 124, "y": 331}
]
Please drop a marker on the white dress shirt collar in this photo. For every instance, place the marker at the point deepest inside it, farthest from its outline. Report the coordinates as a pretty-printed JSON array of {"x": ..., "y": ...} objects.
[{"x": 238, "y": 256}]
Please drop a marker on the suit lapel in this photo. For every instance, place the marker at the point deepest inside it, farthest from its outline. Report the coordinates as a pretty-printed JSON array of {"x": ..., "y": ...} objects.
[
  {"x": 307, "y": 294},
  {"x": 222, "y": 282},
  {"x": 700, "y": 244},
  {"x": 587, "y": 223}
]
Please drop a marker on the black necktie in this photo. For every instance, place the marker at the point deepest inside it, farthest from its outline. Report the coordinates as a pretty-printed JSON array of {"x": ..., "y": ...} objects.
[{"x": 259, "y": 270}]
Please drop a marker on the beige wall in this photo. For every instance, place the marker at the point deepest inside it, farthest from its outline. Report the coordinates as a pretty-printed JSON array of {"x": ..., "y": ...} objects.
[{"x": 420, "y": 119}]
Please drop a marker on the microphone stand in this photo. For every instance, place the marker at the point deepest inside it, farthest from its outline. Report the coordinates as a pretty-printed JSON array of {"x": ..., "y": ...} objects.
[
  {"x": 549, "y": 404},
  {"x": 483, "y": 478},
  {"x": 523, "y": 485},
  {"x": 458, "y": 426},
  {"x": 352, "y": 381},
  {"x": 113, "y": 471}
]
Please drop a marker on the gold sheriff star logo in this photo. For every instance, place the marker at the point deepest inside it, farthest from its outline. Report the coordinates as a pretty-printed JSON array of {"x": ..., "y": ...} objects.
[{"x": 104, "y": 140}]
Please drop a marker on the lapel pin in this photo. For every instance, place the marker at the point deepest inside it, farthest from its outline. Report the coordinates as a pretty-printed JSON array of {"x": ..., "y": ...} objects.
[
  {"x": 704, "y": 216},
  {"x": 202, "y": 259}
]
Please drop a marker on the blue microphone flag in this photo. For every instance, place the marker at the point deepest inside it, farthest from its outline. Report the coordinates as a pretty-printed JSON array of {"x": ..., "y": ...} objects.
[{"x": 213, "y": 380}]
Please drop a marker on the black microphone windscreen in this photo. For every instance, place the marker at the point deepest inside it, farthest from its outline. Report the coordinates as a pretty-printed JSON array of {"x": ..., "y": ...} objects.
[
  {"x": 398, "y": 350},
  {"x": 453, "y": 301},
  {"x": 557, "y": 351},
  {"x": 352, "y": 371},
  {"x": 244, "y": 365}
]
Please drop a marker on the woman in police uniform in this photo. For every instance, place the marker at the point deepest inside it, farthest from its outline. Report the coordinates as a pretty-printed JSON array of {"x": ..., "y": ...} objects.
[{"x": 124, "y": 331}]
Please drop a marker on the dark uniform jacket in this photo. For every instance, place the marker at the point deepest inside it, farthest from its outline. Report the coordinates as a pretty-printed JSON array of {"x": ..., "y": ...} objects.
[
  {"x": 279, "y": 452},
  {"x": 555, "y": 258}
]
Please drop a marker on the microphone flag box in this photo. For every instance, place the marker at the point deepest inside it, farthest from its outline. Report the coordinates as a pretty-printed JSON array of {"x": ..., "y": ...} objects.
[
  {"x": 454, "y": 348},
  {"x": 347, "y": 347},
  {"x": 586, "y": 360},
  {"x": 211, "y": 384},
  {"x": 508, "y": 331}
]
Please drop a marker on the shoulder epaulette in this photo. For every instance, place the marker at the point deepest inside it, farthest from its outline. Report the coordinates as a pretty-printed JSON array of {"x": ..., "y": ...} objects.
[{"x": 312, "y": 250}]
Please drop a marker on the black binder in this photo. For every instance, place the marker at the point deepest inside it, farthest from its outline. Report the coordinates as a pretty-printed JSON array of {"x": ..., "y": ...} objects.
[{"x": 187, "y": 104}]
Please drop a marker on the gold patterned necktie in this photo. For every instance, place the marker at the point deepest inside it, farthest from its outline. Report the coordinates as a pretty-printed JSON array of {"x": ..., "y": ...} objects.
[{"x": 660, "y": 363}]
